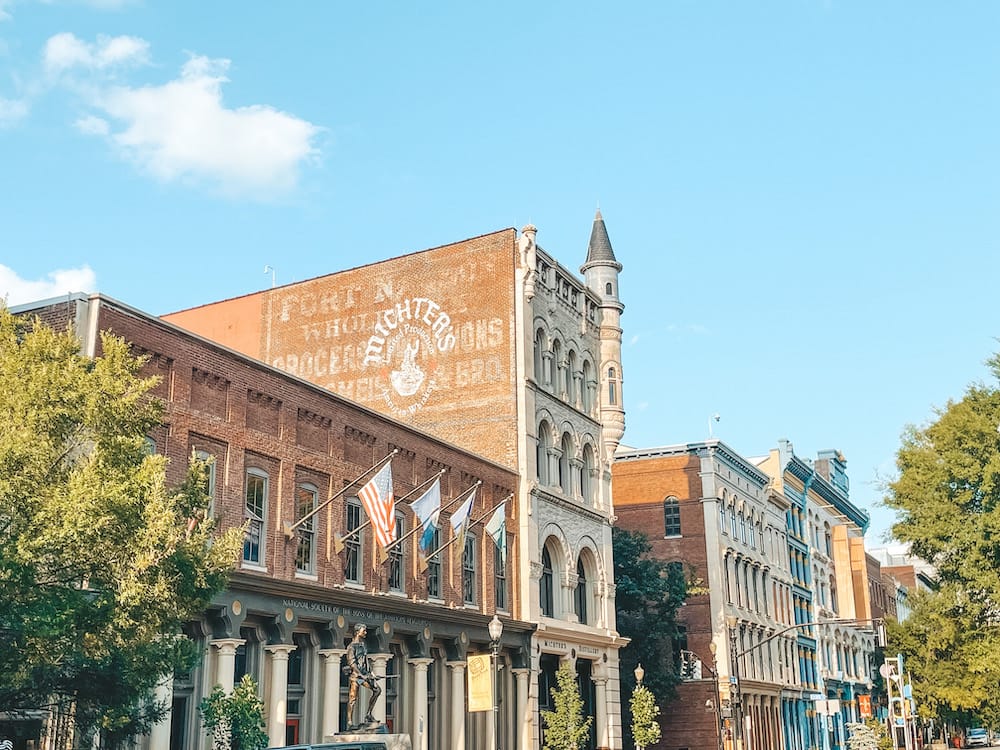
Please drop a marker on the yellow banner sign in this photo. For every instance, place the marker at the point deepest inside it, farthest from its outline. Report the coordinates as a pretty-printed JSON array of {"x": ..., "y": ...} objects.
[{"x": 480, "y": 684}]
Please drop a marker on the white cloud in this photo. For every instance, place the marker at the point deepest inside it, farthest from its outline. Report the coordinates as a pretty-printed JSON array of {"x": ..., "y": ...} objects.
[
  {"x": 182, "y": 131},
  {"x": 12, "y": 111},
  {"x": 15, "y": 290},
  {"x": 91, "y": 125},
  {"x": 64, "y": 51},
  {"x": 4, "y": 12}
]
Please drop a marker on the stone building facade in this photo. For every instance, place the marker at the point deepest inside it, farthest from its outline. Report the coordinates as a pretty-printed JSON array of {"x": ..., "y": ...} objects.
[
  {"x": 703, "y": 505},
  {"x": 282, "y": 447},
  {"x": 489, "y": 343}
]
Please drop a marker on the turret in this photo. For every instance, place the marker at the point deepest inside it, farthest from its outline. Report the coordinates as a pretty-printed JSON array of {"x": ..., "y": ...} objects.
[{"x": 600, "y": 272}]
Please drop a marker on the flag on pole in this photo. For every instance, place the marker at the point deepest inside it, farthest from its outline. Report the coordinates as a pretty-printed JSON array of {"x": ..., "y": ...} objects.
[
  {"x": 496, "y": 527},
  {"x": 378, "y": 501},
  {"x": 460, "y": 523},
  {"x": 426, "y": 509}
]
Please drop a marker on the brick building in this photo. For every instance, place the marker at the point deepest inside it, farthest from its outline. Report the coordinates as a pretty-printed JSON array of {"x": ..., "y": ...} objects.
[
  {"x": 489, "y": 343},
  {"x": 283, "y": 446},
  {"x": 704, "y": 505}
]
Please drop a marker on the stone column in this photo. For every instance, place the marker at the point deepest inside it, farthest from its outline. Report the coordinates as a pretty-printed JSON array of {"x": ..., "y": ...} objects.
[
  {"x": 277, "y": 704},
  {"x": 420, "y": 722},
  {"x": 225, "y": 663},
  {"x": 379, "y": 662},
  {"x": 330, "y": 720},
  {"x": 457, "y": 705},
  {"x": 159, "y": 733},
  {"x": 523, "y": 708},
  {"x": 601, "y": 711}
]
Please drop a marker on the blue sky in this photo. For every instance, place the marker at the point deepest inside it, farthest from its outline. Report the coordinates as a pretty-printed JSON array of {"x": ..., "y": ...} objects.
[{"x": 804, "y": 194}]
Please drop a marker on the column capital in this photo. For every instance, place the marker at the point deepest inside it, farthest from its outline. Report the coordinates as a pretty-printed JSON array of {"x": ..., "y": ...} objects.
[
  {"x": 420, "y": 664},
  {"x": 228, "y": 646},
  {"x": 331, "y": 653},
  {"x": 456, "y": 665},
  {"x": 280, "y": 651},
  {"x": 521, "y": 671},
  {"x": 381, "y": 659}
]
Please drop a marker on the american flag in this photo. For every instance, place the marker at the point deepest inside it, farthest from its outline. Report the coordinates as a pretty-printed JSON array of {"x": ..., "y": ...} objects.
[{"x": 378, "y": 501}]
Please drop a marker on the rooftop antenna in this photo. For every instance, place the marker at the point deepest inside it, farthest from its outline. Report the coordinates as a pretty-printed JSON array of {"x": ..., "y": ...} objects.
[
  {"x": 271, "y": 270},
  {"x": 714, "y": 418}
]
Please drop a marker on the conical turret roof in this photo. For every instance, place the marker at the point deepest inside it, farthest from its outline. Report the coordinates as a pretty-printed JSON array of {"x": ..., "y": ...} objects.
[{"x": 599, "y": 250}]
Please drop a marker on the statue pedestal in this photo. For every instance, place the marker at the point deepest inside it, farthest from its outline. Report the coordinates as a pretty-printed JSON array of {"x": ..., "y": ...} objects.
[{"x": 366, "y": 734}]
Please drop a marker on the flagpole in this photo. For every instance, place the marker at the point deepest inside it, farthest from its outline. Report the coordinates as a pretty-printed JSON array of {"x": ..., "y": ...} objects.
[
  {"x": 290, "y": 527},
  {"x": 417, "y": 528},
  {"x": 339, "y": 541},
  {"x": 471, "y": 524}
]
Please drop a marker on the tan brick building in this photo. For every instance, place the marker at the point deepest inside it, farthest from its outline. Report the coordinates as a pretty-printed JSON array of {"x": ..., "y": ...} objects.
[
  {"x": 281, "y": 447},
  {"x": 491, "y": 344}
]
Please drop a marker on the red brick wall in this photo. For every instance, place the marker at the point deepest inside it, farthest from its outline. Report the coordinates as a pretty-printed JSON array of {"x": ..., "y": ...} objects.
[
  {"x": 218, "y": 422},
  {"x": 349, "y": 332}
]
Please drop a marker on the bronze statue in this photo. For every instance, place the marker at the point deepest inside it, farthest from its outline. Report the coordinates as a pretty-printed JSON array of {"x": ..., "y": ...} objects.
[{"x": 360, "y": 674}]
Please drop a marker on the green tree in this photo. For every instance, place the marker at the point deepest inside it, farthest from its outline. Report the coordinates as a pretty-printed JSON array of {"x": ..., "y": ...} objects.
[
  {"x": 100, "y": 562},
  {"x": 647, "y": 595},
  {"x": 645, "y": 713},
  {"x": 235, "y": 721},
  {"x": 565, "y": 726},
  {"x": 871, "y": 735},
  {"x": 947, "y": 500}
]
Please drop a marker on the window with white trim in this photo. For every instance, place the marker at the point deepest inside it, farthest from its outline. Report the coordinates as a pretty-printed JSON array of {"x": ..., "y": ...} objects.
[
  {"x": 255, "y": 513},
  {"x": 306, "y": 500}
]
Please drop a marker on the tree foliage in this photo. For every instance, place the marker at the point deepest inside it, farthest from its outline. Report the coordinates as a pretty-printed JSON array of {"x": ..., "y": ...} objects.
[
  {"x": 645, "y": 717},
  {"x": 565, "y": 726},
  {"x": 99, "y": 564},
  {"x": 647, "y": 595},
  {"x": 871, "y": 735},
  {"x": 235, "y": 721},
  {"x": 947, "y": 500}
]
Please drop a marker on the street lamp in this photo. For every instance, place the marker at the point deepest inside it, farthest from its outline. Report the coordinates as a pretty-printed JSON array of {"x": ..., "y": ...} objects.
[
  {"x": 735, "y": 698},
  {"x": 714, "y": 648},
  {"x": 639, "y": 673},
  {"x": 496, "y": 630}
]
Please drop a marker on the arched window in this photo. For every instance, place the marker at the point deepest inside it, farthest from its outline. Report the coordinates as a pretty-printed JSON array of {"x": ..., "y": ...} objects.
[
  {"x": 612, "y": 390},
  {"x": 585, "y": 392},
  {"x": 565, "y": 476},
  {"x": 546, "y": 602},
  {"x": 586, "y": 469},
  {"x": 570, "y": 371},
  {"x": 833, "y": 594},
  {"x": 255, "y": 513},
  {"x": 554, "y": 379},
  {"x": 671, "y": 517},
  {"x": 580, "y": 595},
  {"x": 609, "y": 290},
  {"x": 543, "y": 446},
  {"x": 539, "y": 359}
]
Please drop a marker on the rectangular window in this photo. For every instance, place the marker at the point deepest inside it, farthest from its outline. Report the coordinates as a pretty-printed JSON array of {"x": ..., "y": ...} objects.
[
  {"x": 255, "y": 511},
  {"x": 209, "y": 485},
  {"x": 500, "y": 577},
  {"x": 434, "y": 568},
  {"x": 396, "y": 566},
  {"x": 469, "y": 570},
  {"x": 352, "y": 562},
  {"x": 305, "y": 503}
]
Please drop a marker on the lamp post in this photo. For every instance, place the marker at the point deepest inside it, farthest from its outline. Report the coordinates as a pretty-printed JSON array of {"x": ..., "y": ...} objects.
[
  {"x": 496, "y": 630},
  {"x": 714, "y": 648},
  {"x": 639, "y": 673},
  {"x": 735, "y": 698}
]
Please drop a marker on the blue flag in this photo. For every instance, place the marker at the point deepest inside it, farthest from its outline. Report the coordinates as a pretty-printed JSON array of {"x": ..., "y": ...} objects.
[{"x": 426, "y": 508}]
